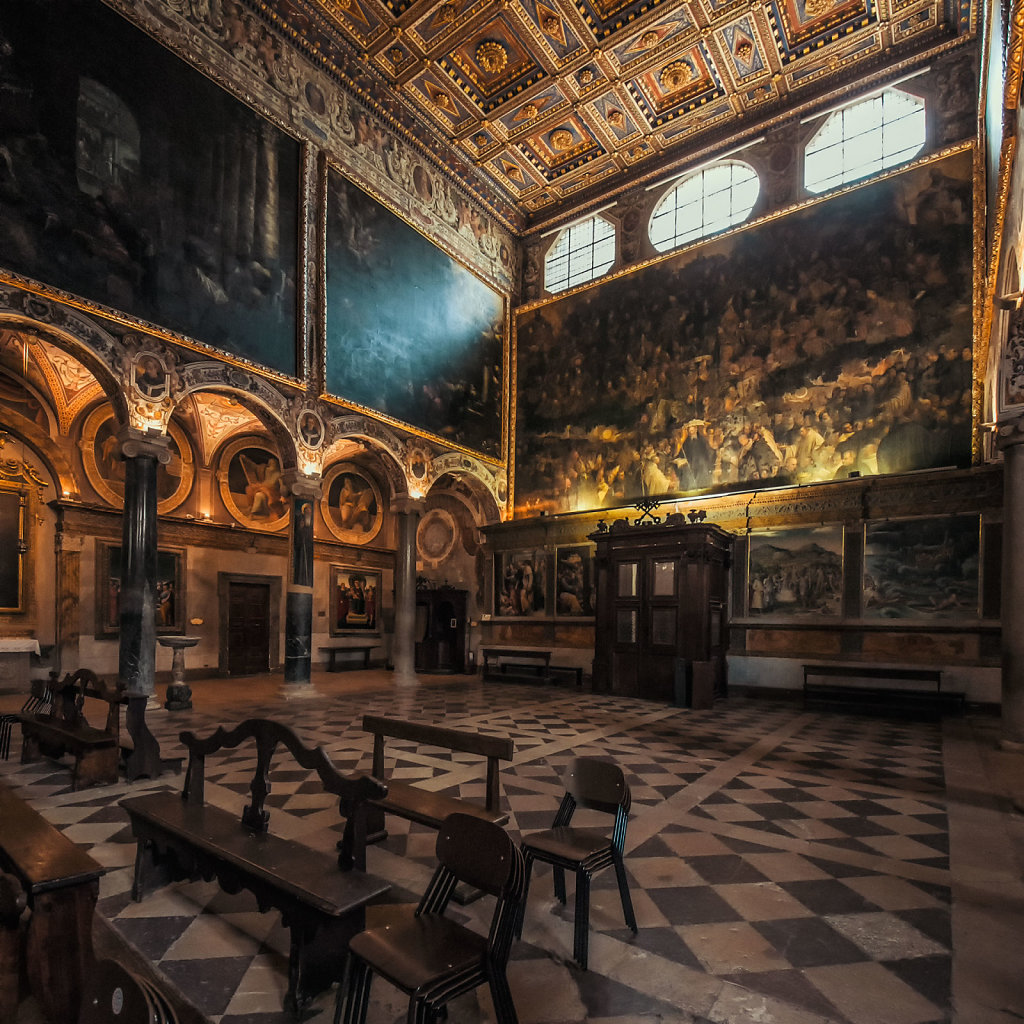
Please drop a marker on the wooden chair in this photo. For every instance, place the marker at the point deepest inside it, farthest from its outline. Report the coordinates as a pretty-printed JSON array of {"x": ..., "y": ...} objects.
[
  {"x": 429, "y": 956},
  {"x": 594, "y": 785}
]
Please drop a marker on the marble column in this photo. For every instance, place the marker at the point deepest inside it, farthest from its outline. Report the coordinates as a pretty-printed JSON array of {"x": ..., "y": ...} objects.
[
  {"x": 1011, "y": 441},
  {"x": 407, "y": 511},
  {"x": 137, "y": 605},
  {"x": 298, "y": 640}
]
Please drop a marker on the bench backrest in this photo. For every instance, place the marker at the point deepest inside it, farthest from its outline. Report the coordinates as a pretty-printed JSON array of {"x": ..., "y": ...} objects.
[
  {"x": 494, "y": 748},
  {"x": 69, "y": 695},
  {"x": 353, "y": 791}
]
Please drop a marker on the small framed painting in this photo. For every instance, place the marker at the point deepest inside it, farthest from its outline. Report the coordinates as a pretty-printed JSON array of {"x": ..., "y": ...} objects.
[
  {"x": 169, "y": 598},
  {"x": 574, "y": 581},
  {"x": 355, "y": 600},
  {"x": 521, "y": 583}
]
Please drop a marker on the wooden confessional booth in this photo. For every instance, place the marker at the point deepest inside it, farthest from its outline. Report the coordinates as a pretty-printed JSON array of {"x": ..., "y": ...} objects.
[{"x": 662, "y": 604}]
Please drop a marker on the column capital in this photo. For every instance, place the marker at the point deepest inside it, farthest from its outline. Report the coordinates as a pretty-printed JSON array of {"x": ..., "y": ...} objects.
[
  {"x": 1010, "y": 432},
  {"x": 136, "y": 443},
  {"x": 404, "y": 504},
  {"x": 303, "y": 486}
]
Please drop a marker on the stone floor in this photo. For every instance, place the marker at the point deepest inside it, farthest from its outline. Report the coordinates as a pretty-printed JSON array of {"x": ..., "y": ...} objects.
[{"x": 786, "y": 867}]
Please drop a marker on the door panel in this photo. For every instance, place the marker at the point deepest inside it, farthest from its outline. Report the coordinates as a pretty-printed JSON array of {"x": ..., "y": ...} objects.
[{"x": 248, "y": 628}]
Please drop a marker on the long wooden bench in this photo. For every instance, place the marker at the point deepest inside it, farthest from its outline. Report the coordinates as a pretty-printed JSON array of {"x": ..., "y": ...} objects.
[
  {"x": 921, "y": 691},
  {"x": 520, "y": 664},
  {"x": 64, "y": 729},
  {"x": 333, "y": 650},
  {"x": 60, "y": 885},
  {"x": 421, "y": 805},
  {"x": 322, "y": 898}
]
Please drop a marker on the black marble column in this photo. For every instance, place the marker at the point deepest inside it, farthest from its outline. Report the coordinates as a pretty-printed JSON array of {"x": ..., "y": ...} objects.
[
  {"x": 407, "y": 511},
  {"x": 298, "y": 641},
  {"x": 137, "y": 607},
  {"x": 1011, "y": 441}
]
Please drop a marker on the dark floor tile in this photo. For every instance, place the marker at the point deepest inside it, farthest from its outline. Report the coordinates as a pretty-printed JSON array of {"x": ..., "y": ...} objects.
[
  {"x": 935, "y": 922},
  {"x": 810, "y": 942},
  {"x": 778, "y": 812},
  {"x": 789, "y": 986},
  {"x": 858, "y": 827},
  {"x": 745, "y": 846},
  {"x": 828, "y": 896},
  {"x": 152, "y": 936},
  {"x": 606, "y": 998},
  {"x": 724, "y": 869},
  {"x": 653, "y": 847},
  {"x": 663, "y": 942},
  {"x": 211, "y": 983},
  {"x": 694, "y": 904},
  {"x": 839, "y": 870},
  {"x": 931, "y": 976}
]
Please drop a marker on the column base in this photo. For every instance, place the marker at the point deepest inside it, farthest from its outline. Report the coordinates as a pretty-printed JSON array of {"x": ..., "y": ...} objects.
[{"x": 298, "y": 691}]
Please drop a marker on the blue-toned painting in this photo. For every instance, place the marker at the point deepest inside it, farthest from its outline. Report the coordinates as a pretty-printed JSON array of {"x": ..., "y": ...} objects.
[
  {"x": 806, "y": 349},
  {"x": 410, "y": 332},
  {"x": 922, "y": 568},
  {"x": 131, "y": 180}
]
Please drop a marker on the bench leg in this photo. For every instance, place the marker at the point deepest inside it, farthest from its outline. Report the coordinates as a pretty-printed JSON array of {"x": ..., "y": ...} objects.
[
  {"x": 376, "y": 830},
  {"x": 318, "y": 955},
  {"x": 30, "y": 748},
  {"x": 95, "y": 766},
  {"x": 151, "y": 871}
]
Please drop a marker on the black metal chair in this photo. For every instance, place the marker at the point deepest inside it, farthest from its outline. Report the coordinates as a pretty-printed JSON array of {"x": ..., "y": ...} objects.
[
  {"x": 39, "y": 702},
  {"x": 595, "y": 785},
  {"x": 433, "y": 958}
]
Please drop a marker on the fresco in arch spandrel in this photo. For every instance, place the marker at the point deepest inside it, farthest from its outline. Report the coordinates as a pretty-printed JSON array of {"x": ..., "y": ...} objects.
[{"x": 832, "y": 341}]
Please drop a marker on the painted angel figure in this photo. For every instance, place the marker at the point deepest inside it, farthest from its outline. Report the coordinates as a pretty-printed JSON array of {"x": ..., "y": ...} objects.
[{"x": 264, "y": 487}]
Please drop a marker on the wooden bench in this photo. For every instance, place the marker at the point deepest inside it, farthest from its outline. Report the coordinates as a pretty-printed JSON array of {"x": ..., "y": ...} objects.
[
  {"x": 322, "y": 898},
  {"x": 421, "y": 805},
  {"x": 333, "y": 650},
  {"x": 497, "y": 661},
  {"x": 921, "y": 693},
  {"x": 60, "y": 885},
  {"x": 65, "y": 730}
]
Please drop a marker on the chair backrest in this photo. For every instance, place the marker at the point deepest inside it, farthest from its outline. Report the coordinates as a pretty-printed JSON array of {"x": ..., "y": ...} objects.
[
  {"x": 481, "y": 854},
  {"x": 597, "y": 785}
]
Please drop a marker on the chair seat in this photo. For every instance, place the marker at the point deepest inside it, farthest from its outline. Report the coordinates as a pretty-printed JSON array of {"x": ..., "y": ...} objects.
[
  {"x": 567, "y": 844},
  {"x": 413, "y": 951}
]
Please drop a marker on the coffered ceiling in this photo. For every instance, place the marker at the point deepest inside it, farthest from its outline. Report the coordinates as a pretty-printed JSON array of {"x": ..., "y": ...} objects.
[{"x": 546, "y": 104}]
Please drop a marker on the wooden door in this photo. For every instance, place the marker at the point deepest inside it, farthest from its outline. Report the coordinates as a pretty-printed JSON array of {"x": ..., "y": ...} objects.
[{"x": 248, "y": 628}]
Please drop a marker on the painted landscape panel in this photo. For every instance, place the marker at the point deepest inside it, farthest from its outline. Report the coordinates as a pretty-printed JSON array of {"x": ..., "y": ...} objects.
[
  {"x": 836, "y": 340},
  {"x": 130, "y": 179},
  {"x": 796, "y": 572},
  {"x": 410, "y": 332},
  {"x": 922, "y": 568}
]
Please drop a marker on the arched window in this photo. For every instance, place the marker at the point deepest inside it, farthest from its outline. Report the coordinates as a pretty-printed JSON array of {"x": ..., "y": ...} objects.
[
  {"x": 582, "y": 252},
  {"x": 864, "y": 138},
  {"x": 705, "y": 203}
]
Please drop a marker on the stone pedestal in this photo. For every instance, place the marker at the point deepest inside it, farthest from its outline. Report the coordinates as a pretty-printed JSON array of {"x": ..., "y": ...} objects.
[{"x": 179, "y": 693}]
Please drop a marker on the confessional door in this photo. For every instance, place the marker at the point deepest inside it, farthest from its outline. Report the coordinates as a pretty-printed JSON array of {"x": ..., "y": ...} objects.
[
  {"x": 248, "y": 628},
  {"x": 661, "y": 599}
]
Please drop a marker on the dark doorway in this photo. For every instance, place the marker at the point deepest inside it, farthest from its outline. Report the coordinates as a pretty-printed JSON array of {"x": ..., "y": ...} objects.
[{"x": 248, "y": 628}]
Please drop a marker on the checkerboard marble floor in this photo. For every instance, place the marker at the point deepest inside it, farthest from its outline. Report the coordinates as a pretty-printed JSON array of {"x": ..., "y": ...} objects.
[{"x": 786, "y": 867}]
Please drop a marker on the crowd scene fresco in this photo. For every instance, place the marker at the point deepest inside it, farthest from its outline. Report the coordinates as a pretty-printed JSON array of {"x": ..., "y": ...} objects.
[
  {"x": 183, "y": 213},
  {"x": 410, "y": 332},
  {"x": 832, "y": 342}
]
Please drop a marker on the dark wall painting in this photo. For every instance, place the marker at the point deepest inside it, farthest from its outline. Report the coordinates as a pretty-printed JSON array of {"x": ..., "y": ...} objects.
[
  {"x": 132, "y": 180},
  {"x": 410, "y": 332},
  {"x": 521, "y": 583},
  {"x": 796, "y": 573},
  {"x": 833, "y": 341},
  {"x": 12, "y": 537},
  {"x": 922, "y": 568}
]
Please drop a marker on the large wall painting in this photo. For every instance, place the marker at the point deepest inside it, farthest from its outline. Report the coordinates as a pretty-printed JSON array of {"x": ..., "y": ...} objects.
[
  {"x": 12, "y": 549},
  {"x": 132, "y": 180},
  {"x": 833, "y": 341},
  {"x": 411, "y": 333},
  {"x": 922, "y": 568},
  {"x": 796, "y": 573}
]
